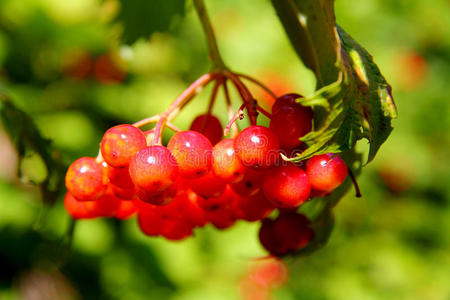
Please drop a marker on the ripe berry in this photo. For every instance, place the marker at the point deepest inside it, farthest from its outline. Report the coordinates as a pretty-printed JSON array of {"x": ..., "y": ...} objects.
[
  {"x": 157, "y": 198},
  {"x": 84, "y": 179},
  {"x": 119, "y": 176},
  {"x": 257, "y": 147},
  {"x": 120, "y": 143},
  {"x": 326, "y": 172},
  {"x": 291, "y": 231},
  {"x": 209, "y": 126},
  {"x": 78, "y": 209},
  {"x": 250, "y": 185},
  {"x": 212, "y": 203},
  {"x": 153, "y": 169},
  {"x": 176, "y": 229},
  {"x": 222, "y": 217},
  {"x": 290, "y": 123},
  {"x": 226, "y": 165},
  {"x": 285, "y": 100},
  {"x": 193, "y": 153},
  {"x": 106, "y": 205},
  {"x": 208, "y": 186},
  {"x": 286, "y": 186},
  {"x": 125, "y": 210},
  {"x": 268, "y": 239},
  {"x": 255, "y": 207},
  {"x": 190, "y": 209},
  {"x": 150, "y": 222}
]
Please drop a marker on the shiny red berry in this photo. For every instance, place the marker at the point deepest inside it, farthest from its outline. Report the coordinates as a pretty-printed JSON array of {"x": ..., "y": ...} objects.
[
  {"x": 257, "y": 147},
  {"x": 193, "y": 153},
  {"x": 208, "y": 186},
  {"x": 78, "y": 209},
  {"x": 326, "y": 172},
  {"x": 153, "y": 169},
  {"x": 290, "y": 123},
  {"x": 285, "y": 100},
  {"x": 226, "y": 165},
  {"x": 286, "y": 186},
  {"x": 250, "y": 185},
  {"x": 85, "y": 180},
  {"x": 255, "y": 207},
  {"x": 209, "y": 126},
  {"x": 120, "y": 143}
]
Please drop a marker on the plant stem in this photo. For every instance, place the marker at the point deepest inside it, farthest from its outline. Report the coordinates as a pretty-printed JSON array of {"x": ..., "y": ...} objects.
[{"x": 210, "y": 37}]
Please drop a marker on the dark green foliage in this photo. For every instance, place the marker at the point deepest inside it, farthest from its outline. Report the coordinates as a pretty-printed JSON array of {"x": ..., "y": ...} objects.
[{"x": 140, "y": 18}]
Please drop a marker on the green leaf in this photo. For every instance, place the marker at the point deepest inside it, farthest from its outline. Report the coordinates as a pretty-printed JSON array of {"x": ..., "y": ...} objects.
[
  {"x": 141, "y": 18},
  {"x": 353, "y": 100},
  {"x": 29, "y": 142}
]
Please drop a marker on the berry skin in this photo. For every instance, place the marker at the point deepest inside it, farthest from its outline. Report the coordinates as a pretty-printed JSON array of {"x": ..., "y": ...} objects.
[
  {"x": 290, "y": 123},
  {"x": 190, "y": 208},
  {"x": 119, "y": 177},
  {"x": 120, "y": 143},
  {"x": 226, "y": 165},
  {"x": 153, "y": 169},
  {"x": 125, "y": 210},
  {"x": 286, "y": 186},
  {"x": 212, "y": 203},
  {"x": 255, "y": 207},
  {"x": 257, "y": 147},
  {"x": 193, "y": 153},
  {"x": 250, "y": 185},
  {"x": 78, "y": 209},
  {"x": 84, "y": 179},
  {"x": 209, "y": 126},
  {"x": 159, "y": 198},
  {"x": 150, "y": 222},
  {"x": 106, "y": 205},
  {"x": 208, "y": 186},
  {"x": 285, "y": 100},
  {"x": 326, "y": 174},
  {"x": 291, "y": 231},
  {"x": 268, "y": 239},
  {"x": 176, "y": 229}
]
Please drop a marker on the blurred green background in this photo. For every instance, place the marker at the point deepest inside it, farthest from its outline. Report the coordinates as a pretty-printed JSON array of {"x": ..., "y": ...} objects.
[{"x": 62, "y": 63}]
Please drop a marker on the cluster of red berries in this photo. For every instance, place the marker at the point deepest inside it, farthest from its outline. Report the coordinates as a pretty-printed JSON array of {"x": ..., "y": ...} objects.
[{"x": 200, "y": 178}]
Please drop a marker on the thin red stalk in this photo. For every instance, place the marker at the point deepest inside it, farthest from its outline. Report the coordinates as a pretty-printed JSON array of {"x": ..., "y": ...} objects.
[
  {"x": 239, "y": 115},
  {"x": 258, "y": 83},
  {"x": 184, "y": 96},
  {"x": 234, "y": 127},
  {"x": 247, "y": 97},
  {"x": 264, "y": 112}
]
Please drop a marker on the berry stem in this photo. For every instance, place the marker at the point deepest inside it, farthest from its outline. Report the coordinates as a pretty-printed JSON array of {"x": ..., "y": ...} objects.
[
  {"x": 239, "y": 115},
  {"x": 234, "y": 126},
  {"x": 212, "y": 100},
  {"x": 246, "y": 96},
  {"x": 179, "y": 101},
  {"x": 214, "y": 53},
  {"x": 264, "y": 112},
  {"x": 258, "y": 83},
  {"x": 355, "y": 183}
]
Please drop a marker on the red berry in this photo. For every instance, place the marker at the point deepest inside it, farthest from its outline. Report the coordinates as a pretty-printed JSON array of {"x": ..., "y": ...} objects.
[
  {"x": 222, "y": 217},
  {"x": 268, "y": 239},
  {"x": 193, "y": 153},
  {"x": 291, "y": 231},
  {"x": 286, "y": 186},
  {"x": 190, "y": 208},
  {"x": 257, "y": 147},
  {"x": 119, "y": 177},
  {"x": 212, "y": 203},
  {"x": 269, "y": 273},
  {"x": 176, "y": 229},
  {"x": 106, "y": 205},
  {"x": 120, "y": 143},
  {"x": 250, "y": 185},
  {"x": 226, "y": 165},
  {"x": 255, "y": 207},
  {"x": 150, "y": 222},
  {"x": 285, "y": 100},
  {"x": 78, "y": 209},
  {"x": 290, "y": 123},
  {"x": 158, "y": 198},
  {"x": 326, "y": 172},
  {"x": 126, "y": 209},
  {"x": 209, "y": 126},
  {"x": 208, "y": 186},
  {"x": 84, "y": 179},
  {"x": 123, "y": 193},
  {"x": 153, "y": 169}
]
